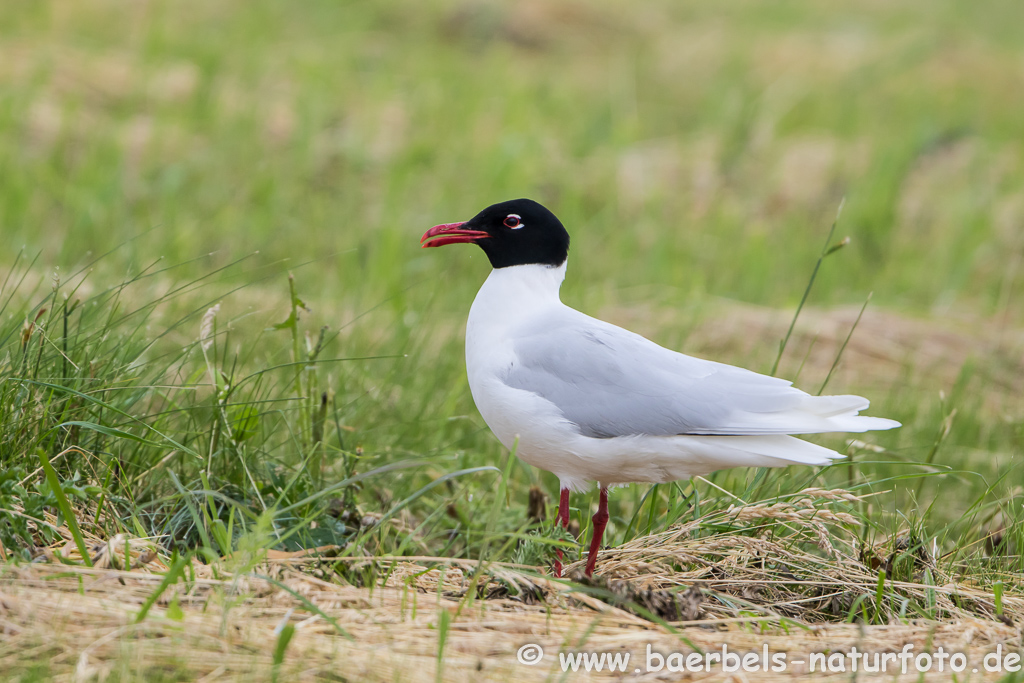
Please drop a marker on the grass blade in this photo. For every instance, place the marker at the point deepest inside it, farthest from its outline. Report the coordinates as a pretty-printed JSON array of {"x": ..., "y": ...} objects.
[
  {"x": 176, "y": 571},
  {"x": 842, "y": 348},
  {"x": 825, "y": 251},
  {"x": 65, "y": 507}
]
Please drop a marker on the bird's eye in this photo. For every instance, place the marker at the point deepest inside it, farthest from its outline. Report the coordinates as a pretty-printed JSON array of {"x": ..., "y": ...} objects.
[{"x": 513, "y": 221}]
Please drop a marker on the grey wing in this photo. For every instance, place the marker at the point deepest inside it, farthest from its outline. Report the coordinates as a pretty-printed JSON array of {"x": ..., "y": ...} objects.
[{"x": 611, "y": 382}]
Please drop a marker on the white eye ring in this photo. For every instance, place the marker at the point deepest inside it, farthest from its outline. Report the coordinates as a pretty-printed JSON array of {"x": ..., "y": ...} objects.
[{"x": 518, "y": 222}]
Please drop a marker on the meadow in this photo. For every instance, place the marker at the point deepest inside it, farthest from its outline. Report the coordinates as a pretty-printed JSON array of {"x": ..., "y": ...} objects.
[{"x": 221, "y": 344}]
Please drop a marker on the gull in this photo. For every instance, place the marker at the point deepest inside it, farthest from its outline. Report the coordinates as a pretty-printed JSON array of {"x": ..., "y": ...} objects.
[{"x": 592, "y": 402}]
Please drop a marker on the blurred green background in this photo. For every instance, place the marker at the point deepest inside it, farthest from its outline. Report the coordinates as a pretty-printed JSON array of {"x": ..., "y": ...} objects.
[
  {"x": 696, "y": 152},
  {"x": 711, "y": 144}
]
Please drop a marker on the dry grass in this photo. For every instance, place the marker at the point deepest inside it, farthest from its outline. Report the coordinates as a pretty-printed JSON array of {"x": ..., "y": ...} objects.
[
  {"x": 782, "y": 574},
  {"x": 82, "y": 621},
  {"x": 801, "y": 562}
]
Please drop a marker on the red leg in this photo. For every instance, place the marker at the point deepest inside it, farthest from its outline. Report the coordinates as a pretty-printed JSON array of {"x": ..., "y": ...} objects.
[
  {"x": 600, "y": 521},
  {"x": 563, "y": 519}
]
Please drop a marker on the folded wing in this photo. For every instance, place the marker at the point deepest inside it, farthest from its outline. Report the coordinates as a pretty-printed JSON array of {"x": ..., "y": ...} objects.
[{"x": 611, "y": 382}]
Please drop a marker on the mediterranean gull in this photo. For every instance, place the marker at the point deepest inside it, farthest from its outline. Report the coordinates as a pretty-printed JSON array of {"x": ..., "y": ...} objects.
[{"x": 589, "y": 401}]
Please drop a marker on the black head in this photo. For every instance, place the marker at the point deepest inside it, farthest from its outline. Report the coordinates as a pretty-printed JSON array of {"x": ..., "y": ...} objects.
[{"x": 512, "y": 233}]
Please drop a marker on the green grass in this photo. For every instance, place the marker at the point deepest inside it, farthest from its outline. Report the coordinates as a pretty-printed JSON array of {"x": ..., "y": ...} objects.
[{"x": 160, "y": 159}]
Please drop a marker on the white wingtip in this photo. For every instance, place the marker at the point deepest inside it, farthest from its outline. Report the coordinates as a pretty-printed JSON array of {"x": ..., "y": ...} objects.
[{"x": 863, "y": 423}]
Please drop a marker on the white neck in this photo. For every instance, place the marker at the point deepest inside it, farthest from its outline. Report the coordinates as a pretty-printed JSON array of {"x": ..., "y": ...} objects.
[
  {"x": 513, "y": 294},
  {"x": 532, "y": 280},
  {"x": 524, "y": 287}
]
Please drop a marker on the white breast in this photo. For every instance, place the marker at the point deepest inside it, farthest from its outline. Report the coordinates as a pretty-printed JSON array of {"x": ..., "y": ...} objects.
[{"x": 520, "y": 419}]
